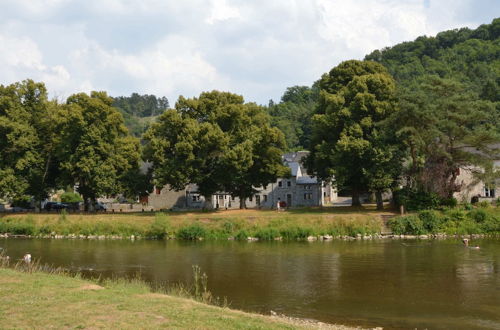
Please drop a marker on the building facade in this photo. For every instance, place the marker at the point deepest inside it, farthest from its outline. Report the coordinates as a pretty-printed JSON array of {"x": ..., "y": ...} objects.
[{"x": 298, "y": 190}]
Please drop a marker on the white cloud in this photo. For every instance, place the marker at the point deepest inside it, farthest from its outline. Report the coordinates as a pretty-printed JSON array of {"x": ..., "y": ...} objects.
[
  {"x": 221, "y": 11},
  {"x": 255, "y": 48}
]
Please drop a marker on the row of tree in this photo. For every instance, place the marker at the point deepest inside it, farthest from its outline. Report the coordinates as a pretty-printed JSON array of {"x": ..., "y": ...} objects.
[
  {"x": 369, "y": 131},
  {"x": 45, "y": 145}
]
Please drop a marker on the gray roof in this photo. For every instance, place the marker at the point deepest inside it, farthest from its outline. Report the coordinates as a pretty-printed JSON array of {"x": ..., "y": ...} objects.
[
  {"x": 294, "y": 166},
  {"x": 307, "y": 180}
]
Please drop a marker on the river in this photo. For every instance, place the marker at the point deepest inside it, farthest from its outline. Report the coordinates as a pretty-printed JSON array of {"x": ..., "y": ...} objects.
[{"x": 388, "y": 283}]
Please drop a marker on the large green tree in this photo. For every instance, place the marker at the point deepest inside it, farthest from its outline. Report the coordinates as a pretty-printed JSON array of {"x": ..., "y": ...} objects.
[
  {"x": 218, "y": 142},
  {"x": 446, "y": 127},
  {"x": 348, "y": 140},
  {"x": 28, "y": 139},
  {"x": 96, "y": 154},
  {"x": 293, "y": 115}
]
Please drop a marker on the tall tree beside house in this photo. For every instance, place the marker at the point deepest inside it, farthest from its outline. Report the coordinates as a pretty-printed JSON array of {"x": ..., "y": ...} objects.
[
  {"x": 95, "y": 153},
  {"x": 218, "y": 142},
  {"x": 293, "y": 115},
  {"x": 446, "y": 127},
  {"x": 348, "y": 140},
  {"x": 28, "y": 139}
]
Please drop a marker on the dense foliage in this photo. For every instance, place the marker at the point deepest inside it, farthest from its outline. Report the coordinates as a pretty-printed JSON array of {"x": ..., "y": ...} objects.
[
  {"x": 293, "y": 115},
  {"x": 218, "y": 142},
  {"x": 349, "y": 141},
  {"x": 140, "y": 110},
  {"x": 449, "y": 118},
  {"x": 453, "y": 221}
]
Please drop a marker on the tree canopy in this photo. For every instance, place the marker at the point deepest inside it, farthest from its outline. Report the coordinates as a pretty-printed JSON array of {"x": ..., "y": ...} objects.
[
  {"x": 347, "y": 141},
  {"x": 27, "y": 140},
  {"x": 95, "y": 152},
  {"x": 218, "y": 142}
]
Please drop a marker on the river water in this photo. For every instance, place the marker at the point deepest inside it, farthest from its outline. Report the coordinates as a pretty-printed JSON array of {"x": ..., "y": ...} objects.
[{"x": 387, "y": 283}]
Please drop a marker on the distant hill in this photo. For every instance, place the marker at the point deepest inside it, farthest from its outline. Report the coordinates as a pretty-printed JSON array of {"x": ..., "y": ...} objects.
[
  {"x": 469, "y": 56},
  {"x": 139, "y": 111}
]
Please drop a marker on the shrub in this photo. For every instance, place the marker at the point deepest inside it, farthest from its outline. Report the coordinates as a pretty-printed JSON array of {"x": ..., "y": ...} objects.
[
  {"x": 192, "y": 232},
  {"x": 484, "y": 204},
  {"x": 242, "y": 235},
  {"x": 478, "y": 215},
  {"x": 449, "y": 202},
  {"x": 415, "y": 200},
  {"x": 267, "y": 234},
  {"x": 71, "y": 197},
  {"x": 410, "y": 225},
  {"x": 160, "y": 226},
  {"x": 294, "y": 233},
  {"x": 431, "y": 220},
  {"x": 22, "y": 201}
]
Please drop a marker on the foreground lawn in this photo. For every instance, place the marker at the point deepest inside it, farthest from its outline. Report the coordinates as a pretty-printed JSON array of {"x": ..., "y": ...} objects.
[
  {"x": 239, "y": 224},
  {"x": 40, "y": 300}
]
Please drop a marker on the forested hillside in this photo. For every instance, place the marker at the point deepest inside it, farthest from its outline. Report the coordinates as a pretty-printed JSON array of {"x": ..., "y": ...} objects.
[
  {"x": 471, "y": 57},
  {"x": 140, "y": 110}
]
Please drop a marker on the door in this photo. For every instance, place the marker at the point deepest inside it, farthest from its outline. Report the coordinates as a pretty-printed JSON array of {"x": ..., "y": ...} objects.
[{"x": 289, "y": 200}]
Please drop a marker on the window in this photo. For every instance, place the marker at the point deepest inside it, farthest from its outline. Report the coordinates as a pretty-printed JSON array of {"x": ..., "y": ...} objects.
[
  {"x": 250, "y": 198},
  {"x": 196, "y": 198},
  {"x": 280, "y": 184},
  {"x": 289, "y": 183},
  {"x": 489, "y": 192},
  {"x": 158, "y": 191},
  {"x": 324, "y": 193},
  {"x": 233, "y": 198},
  {"x": 265, "y": 198},
  {"x": 307, "y": 196}
]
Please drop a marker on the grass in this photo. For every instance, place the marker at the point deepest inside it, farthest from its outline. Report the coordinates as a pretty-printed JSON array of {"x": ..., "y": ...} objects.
[
  {"x": 35, "y": 298},
  {"x": 237, "y": 224},
  {"x": 465, "y": 220}
]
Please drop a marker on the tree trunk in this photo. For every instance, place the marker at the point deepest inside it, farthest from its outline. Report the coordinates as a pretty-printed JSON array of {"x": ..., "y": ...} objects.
[
  {"x": 380, "y": 202},
  {"x": 207, "y": 205},
  {"x": 355, "y": 198},
  {"x": 243, "y": 203}
]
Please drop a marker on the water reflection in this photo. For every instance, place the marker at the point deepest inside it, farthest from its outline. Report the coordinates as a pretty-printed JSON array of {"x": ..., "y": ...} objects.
[{"x": 433, "y": 284}]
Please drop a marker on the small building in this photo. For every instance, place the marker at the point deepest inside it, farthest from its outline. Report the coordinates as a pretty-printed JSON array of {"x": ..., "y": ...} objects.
[{"x": 298, "y": 190}]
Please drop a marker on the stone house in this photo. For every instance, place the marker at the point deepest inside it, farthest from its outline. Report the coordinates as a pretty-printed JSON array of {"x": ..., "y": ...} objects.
[
  {"x": 298, "y": 190},
  {"x": 473, "y": 189}
]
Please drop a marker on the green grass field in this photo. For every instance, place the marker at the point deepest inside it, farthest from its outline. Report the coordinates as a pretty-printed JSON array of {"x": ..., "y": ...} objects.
[
  {"x": 238, "y": 224},
  {"x": 41, "y": 300}
]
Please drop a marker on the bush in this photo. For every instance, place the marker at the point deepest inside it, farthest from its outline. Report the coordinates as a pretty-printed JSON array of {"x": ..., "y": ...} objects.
[
  {"x": 431, "y": 220},
  {"x": 294, "y": 233},
  {"x": 415, "y": 200},
  {"x": 267, "y": 234},
  {"x": 242, "y": 235},
  {"x": 160, "y": 226},
  {"x": 484, "y": 204},
  {"x": 71, "y": 197},
  {"x": 478, "y": 215},
  {"x": 22, "y": 202},
  {"x": 192, "y": 232},
  {"x": 408, "y": 225},
  {"x": 449, "y": 202}
]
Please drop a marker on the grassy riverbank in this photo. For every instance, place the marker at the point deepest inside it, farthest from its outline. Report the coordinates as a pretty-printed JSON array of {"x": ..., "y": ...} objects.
[
  {"x": 237, "y": 224},
  {"x": 40, "y": 300},
  {"x": 455, "y": 221}
]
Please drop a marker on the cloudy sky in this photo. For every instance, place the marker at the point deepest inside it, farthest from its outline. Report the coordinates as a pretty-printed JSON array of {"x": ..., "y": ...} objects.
[{"x": 256, "y": 48}]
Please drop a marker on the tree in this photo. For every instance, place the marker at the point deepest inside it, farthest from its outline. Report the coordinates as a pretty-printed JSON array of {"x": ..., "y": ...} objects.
[
  {"x": 446, "y": 127},
  {"x": 218, "y": 142},
  {"x": 28, "y": 139},
  {"x": 348, "y": 141},
  {"x": 95, "y": 152},
  {"x": 293, "y": 115}
]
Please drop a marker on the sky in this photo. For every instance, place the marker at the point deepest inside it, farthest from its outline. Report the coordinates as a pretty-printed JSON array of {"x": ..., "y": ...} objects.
[{"x": 256, "y": 48}]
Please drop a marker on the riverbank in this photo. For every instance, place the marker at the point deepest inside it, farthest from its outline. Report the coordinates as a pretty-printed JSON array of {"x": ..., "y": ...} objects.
[
  {"x": 300, "y": 224},
  {"x": 40, "y": 300}
]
